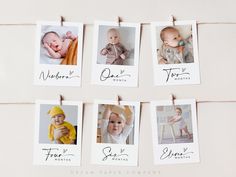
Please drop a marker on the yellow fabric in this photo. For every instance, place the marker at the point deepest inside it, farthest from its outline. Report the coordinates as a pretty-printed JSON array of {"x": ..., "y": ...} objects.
[
  {"x": 65, "y": 139},
  {"x": 55, "y": 111},
  {"x": 71, "y": 56}
]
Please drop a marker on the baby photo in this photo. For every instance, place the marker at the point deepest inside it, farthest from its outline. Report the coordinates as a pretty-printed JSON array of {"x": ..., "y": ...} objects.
[
  {"x": 174, "y": 131},
  {"x": 175, "y": 53},
  {"x": 58, "y": 57},
  {"x": 116, "y": 45},
  {"x": 174, "y": 44},
  {"x": 115, "y": 124},
  {"x": 174, "y": 124},
  {"x": 59, "y": 45},
  {"x": 58, "y": 132},
  {"x": 116, "y": 54},
  {"x": 58, "y": 124},
  {"x": 115, "y": 133}
]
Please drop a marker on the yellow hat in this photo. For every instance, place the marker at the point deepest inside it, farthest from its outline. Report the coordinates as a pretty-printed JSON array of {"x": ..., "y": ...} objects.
[{"x": 55, "y": 111}]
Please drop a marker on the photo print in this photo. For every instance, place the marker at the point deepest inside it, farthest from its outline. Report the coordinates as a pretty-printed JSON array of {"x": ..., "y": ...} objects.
[
  {"x": 115, "y": 133},
  {"x": 116, "y": 54},
  {"x": 174, "y": 127},
  {"x": 58, "y": 131},
  {"x": 175, "y": 53},
  {"x": 58, "y": 59}
]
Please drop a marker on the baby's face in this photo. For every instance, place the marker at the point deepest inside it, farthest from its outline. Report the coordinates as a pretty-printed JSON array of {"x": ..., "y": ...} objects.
[
  {"x": 58, "y": 119},
  {"x": 54, "y": 42},
  {"x": 172, "y": 38},
  {"x": 115, "y": 125},
  {"x": 113, "y": 37},
  {"x": 178, "y": 112}
]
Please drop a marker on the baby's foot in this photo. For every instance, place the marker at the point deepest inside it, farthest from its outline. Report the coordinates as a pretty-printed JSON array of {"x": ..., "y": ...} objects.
[{"x": 190, "y": 136}]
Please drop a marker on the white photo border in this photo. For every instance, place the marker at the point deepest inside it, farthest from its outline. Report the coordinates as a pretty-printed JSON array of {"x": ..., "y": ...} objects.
[
  {"x": 176, "y": 153},
  {"x": 175, "y": 74},
  {"x": 58, "y": 75},
  {"x": 120, "y": 154},
  {"x": 115, "y": 75},
  {"x": 58, "y": 154}
]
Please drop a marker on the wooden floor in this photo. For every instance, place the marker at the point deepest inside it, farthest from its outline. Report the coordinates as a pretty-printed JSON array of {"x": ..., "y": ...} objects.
[{"x": 178, "y": 139}]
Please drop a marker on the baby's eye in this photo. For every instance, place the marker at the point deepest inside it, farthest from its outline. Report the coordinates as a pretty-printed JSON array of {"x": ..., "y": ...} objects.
[
  {"x": 112, "y": 122},
  {"x": 175, "y": 38},
  {"x": 119, "y": 122}
]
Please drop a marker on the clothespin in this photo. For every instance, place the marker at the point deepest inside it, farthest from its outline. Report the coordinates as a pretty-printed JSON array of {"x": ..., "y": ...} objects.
[
  {"x": 62, "y": 20},
  {"x": 119, "y": 99},
  {"x": 172, "y": 19},
  {"x": 172, "y": 97},
  {"x": 61, "y": 98},
  {"x": 118, "y": 20}
]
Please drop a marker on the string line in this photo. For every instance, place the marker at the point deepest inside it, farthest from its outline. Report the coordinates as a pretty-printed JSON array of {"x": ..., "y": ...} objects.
[
  {"x": 90, "y": 24},
  {"x": 198, "y": 102}
]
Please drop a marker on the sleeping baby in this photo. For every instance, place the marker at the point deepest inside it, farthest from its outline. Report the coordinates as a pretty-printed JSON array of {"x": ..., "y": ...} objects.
[{"x": 55, "y": 45}]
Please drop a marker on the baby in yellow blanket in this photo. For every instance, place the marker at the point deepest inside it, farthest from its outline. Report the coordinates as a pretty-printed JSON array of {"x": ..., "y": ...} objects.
[
  {"x": 57, "y": 121},
  {"x": 55, "y": 45}
]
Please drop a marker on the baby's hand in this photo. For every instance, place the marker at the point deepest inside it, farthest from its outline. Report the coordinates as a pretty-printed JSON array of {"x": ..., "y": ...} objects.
[
  {"x": 180, "y": 49},
  {"x": 45, "y": 45},
  {"x": 122, "y": 56},
  {"x": 104, "y": 51},
  {"x": 69, "y": 35},
  {"x": 162, "y": 61}
]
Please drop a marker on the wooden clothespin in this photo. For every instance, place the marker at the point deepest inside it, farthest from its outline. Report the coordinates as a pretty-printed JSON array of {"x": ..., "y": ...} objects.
[
  {"x": 172, "y": 99},
  {"x": 119, "y": 99},
  {"x": 61, "y": 98},
  {"x": 118, "y": 20},
  {"x": 172, "y": 19},
  {"x": 62, "y": 20}
]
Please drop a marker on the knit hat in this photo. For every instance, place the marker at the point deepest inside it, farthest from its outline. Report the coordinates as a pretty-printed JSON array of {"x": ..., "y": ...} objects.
[
  {"x": 119, "y": 110},
  {"x": 55, "y": 111}
]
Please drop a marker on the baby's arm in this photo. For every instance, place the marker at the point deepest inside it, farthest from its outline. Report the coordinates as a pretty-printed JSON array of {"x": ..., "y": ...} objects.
[
  {"x": 107, "y": 112},
  {"x": 160, "y": 58},
  {"x": 125, "y": 53},
  {"x": 51, "y": 52},
  {"x": 175, "y": 119},
  {"x": 171, "y": 119},
  {"x": 72, "y": 134},
  {"x": 129, "y": 122},
  {"x": 105, "y": 50},
  {"x": 60, "y": 132},
  {"x": 105, "y": 119},
  {"x": 129, "y": 115}
]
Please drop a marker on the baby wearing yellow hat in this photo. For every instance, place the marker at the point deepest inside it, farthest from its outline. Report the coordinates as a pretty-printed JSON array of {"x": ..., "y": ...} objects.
[
  {"x": 116, "y": 124},
  {"x": 57, "y": 121}
]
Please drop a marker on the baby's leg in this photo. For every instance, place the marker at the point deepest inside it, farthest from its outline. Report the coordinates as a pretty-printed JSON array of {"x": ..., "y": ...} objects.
[
  {"x": 187, "y": 132},
  {"x": 118, "y": 61},
  {"x": 181, "y": 132}
]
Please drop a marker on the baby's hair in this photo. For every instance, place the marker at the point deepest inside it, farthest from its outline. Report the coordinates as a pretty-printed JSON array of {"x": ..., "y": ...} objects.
[
  {"x": 166, "y": 29},
  {"x": 49, "y": 32},
  {"x": 113, "y": 30},
  {"x": 178, "y": 108}
]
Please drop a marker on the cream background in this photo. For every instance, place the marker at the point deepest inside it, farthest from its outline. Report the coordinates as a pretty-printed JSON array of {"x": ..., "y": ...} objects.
[{"x": 216, "y": 121}]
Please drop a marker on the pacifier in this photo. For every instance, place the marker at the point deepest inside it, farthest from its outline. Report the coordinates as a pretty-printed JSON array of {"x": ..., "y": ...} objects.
[{"x": 181, "y": 43}]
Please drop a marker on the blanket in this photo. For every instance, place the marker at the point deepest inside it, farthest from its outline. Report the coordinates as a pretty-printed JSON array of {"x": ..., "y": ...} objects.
[{"x": 71, "y": 56}]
